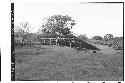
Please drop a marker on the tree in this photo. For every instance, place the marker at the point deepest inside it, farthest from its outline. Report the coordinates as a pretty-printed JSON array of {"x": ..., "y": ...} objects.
[
  {"x": 21, "y": 32},
  {"x": 24, "y": 28},
  {"x": 97, "y": 38},
  {"x": 108, "y": 37},
  {"x": 57, "y": 25},
  {"x": 118, "y": 43}
]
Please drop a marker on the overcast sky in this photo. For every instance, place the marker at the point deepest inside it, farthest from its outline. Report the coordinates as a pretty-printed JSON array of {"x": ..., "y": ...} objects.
[{"x": 91, "y": 18}]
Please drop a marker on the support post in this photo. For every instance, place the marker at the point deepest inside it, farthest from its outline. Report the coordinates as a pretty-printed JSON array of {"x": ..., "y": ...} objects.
[
  {"x": 44, "y": 40},
  {"x": 50, "y": 42},
  {"x": 70, "y": 44},
  {"x": 57, "y": 41}
]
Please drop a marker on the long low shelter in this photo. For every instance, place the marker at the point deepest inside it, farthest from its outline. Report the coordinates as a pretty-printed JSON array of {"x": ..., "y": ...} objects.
[{"x": 56, "y": 40}]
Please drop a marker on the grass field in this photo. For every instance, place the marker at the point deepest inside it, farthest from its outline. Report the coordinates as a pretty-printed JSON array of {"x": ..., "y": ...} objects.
[{"x": 54, "y": 63}]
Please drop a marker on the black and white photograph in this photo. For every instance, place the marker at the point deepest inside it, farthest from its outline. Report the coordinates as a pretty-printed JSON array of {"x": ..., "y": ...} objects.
[
  {"x": 73, "y": 41},
  {"x": 0, "y": 63}
]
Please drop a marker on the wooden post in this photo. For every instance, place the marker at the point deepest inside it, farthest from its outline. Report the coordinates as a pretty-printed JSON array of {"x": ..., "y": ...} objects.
[
  {"x": 57, "y": 41},
  {"x": 50, "y": 41},
  {"x": 44, "y": 40},
  {"x": 70, "y": 44}
]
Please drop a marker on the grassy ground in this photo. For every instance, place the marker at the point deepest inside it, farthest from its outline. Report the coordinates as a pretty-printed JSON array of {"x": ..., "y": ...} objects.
[{"x": 54, "y": 63}]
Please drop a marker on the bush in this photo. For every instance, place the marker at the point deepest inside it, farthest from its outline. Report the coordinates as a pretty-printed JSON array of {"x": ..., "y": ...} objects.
[{"x": 97, "y": 38}]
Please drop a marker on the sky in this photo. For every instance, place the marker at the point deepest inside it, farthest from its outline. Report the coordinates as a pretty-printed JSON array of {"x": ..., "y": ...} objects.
[{"x": 91, "y": 18}]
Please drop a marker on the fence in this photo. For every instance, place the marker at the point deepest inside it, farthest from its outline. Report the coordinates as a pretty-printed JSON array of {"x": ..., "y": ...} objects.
[{"x": 69, "y": 40}]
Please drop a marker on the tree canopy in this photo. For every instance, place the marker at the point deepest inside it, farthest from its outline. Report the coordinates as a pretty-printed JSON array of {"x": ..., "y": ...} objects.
[
  {"x": 57, "y": 25},
  {"x": 22, "y": 29},
  {"x": 21, "y": 32},
  {"x": 108, "y": 37}
]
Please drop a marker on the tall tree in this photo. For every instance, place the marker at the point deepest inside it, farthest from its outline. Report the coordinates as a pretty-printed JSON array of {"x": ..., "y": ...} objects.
[
  {"x": 21, "y": 32},
  {"x": 22, "y": 29},
  {"x": 57, "y": 25}
]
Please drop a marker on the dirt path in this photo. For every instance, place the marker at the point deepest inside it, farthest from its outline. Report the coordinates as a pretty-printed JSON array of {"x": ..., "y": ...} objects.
[{"x": 105, "y": 49}]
